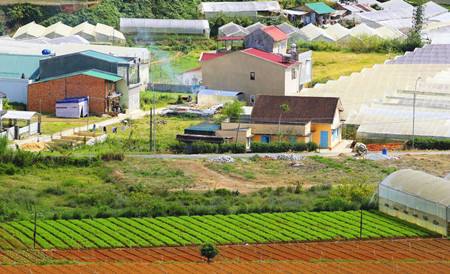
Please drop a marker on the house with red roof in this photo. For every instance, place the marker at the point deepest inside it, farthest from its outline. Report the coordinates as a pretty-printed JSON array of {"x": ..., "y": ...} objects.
[
  {"x": 270, "y": 39},
  {"x": 253, "y": 72}
]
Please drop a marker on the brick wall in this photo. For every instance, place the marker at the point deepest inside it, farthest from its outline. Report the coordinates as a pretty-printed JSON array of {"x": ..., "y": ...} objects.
[{"x": 43, "y": 96}]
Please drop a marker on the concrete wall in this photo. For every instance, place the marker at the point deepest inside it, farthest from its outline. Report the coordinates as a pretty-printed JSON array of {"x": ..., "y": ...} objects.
[
  {"x": 131, "y": 98},
  {"x": 232, "y": 72},
  {"x": 16, "y": 90},
  {"x": 42, "y": 96}
]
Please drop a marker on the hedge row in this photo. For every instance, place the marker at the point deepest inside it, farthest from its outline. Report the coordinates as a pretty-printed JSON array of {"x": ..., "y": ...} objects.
[
  {"x": 201, "y": 147},
  {"x": 430, "y": 143},
  {"x": 283, "y": 147}
]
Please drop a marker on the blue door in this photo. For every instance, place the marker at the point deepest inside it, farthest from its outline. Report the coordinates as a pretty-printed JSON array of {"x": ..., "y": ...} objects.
[
  {"x": 265, "y": 139},
  {"x": 324, "y": 139}
]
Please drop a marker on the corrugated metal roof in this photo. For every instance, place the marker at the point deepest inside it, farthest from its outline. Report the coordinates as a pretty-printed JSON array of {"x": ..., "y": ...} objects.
[
  {"x": 420, "y": 184},
  {"x": 13, "y": 65},
  {"x": 246, "y": 6},
  {"x": 105, "y": 57},
  {"x": 92, "y": 72},
  {"x": 320, "y": 8}
]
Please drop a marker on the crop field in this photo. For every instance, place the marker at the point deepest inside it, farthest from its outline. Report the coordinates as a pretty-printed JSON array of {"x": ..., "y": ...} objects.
[
  {"x": 369, "y": 256},
  {"x": 195, "y": 230}
]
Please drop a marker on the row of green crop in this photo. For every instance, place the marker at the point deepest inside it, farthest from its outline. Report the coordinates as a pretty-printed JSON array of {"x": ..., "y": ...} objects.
[{"x": 218, "y": 229}]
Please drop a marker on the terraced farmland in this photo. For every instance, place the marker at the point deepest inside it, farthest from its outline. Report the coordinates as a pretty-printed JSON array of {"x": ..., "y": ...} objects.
[{"x": 194, "y": 230}]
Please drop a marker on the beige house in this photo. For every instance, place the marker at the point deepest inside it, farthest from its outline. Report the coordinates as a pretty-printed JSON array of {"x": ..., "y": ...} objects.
[{"x": 253, "y": 72}]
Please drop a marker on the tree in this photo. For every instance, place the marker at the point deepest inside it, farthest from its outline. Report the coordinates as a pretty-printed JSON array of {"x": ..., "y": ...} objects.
[
  {"x": 209, "y": 251},
  {"x": 284, "y": 108},
  {"x": 233, "y": 111},
  {"x": 414, "y": 39}
]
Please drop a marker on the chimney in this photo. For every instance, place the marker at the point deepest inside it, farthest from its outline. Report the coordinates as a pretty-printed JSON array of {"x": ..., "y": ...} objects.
[{"x": 293, "y": 52}]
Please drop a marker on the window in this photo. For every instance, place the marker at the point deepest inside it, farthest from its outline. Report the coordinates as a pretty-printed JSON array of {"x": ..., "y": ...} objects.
[
  {"x": 294, "y": 74},
  {"x": 292, "y": 139},
  {"x": 265, "y": 139},
  {"x": 252, "y": 76}
]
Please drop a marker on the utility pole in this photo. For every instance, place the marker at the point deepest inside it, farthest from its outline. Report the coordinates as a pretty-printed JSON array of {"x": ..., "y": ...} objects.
[
  {"x": 361, "y": 225},
  {"x": 414, "y": 113},
  {"x": 35, "y": 227}
]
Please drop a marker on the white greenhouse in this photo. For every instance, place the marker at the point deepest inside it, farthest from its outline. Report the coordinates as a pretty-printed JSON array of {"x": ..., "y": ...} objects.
[
  {"x": 418, "y": 198},
  {"x": 246, "y": 8},
  {"x": 147, "y": 29},
  {"x": 232, "y": 30}
]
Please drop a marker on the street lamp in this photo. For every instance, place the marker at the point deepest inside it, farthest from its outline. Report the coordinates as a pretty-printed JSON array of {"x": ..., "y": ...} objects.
[{"x": 414, "y": 112}]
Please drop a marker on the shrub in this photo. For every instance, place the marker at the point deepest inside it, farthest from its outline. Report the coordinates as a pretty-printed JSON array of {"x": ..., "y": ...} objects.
[
  {"x": 282, "y": 147},
  {"x": 430, "y": 143},
  {"x": 231, "y": 148},
  {"x": 112, "y": 156},
  {"x": 203, "y": 147},
  {"x": 209, "y": 251}
]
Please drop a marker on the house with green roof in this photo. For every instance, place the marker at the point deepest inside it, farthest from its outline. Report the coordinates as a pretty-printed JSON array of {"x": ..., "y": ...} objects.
[
  {"x": 317, "y": 13},
  {"x": 111, "y": 83}
]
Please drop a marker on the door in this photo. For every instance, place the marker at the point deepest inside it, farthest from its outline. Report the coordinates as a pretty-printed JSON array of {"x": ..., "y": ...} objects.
[
  {"x": 324, "y": 139},
  {"x": 265, "y": 139}
]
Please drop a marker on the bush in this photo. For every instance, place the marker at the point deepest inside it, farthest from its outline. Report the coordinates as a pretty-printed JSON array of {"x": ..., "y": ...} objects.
[
  {"x": 204, "y": 147},
  {"x": 430, "y": 143},
  {"x": 209, "y": 251},
  {"x": 282, "y": 147},
  {"x": 232, "y": 148},
  {"x": 112, "y": 156}
]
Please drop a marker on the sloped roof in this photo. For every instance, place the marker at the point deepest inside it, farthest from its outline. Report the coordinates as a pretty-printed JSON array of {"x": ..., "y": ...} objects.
[
  {"x": 320, "y": 8},
  {"x": 396, "y": 5},
  {"x": 30, "y": 29},
  {"x": 105, "y": 57},
  {"x": 232, "y": 29},
  {"x": 246, "y": 6},
  {"x": 255, "y": 26},
  {"x": 430, "y": 54},
  {"x": 13, "y": 65},
  {"x": 312, "y": 32},
  {"x": 92, "y": 72},
  {"x": 337, "y": 31},
  {"x": 274, "y": 32},
  {"x": 420, "y": 184},
  {"x": 287, "y": 28},
  {"x": 268, "y": 56},
  {"x": 373, "y": 84},
  {"x": 386, "y": 32},
  {"x": 362, "y": 30},
  {"x": 219, "y": 92},
  {"x": 84, "y": 27},
  {"x": 301, "y": 109},
  {"x": 58, "y": 28},
  {"x": 206, "y": 56},
  {"x": 18, "y": 115}
]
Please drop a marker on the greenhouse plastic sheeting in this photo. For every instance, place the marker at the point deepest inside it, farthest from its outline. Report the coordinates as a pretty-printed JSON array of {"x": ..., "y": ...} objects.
[{"x": 418, "y": 190}]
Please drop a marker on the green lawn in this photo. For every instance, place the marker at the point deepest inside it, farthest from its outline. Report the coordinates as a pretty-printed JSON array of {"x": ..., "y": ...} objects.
[
  {"x": 51, "y": 124},
  {"x": 332, "y": 65},
  {"x": 163, "y": 99}
]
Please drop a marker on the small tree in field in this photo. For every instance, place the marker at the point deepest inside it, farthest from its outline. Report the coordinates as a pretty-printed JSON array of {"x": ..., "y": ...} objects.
[
  {"x": 209, "y": 251},
  {"x": 233, "y": 111},
  {"x": 284, "y": 108}
]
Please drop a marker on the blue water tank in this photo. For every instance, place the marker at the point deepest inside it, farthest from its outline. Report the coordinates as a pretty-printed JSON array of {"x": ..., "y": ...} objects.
[{"x": 46, "y": 52}]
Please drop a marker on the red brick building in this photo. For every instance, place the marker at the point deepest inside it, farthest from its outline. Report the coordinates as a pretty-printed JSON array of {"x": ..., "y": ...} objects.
[{"x": 101, "y": 87}]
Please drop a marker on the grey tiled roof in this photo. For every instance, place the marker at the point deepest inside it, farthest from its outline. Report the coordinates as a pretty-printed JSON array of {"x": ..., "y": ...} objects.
[{"x": 431, "y": 54}]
